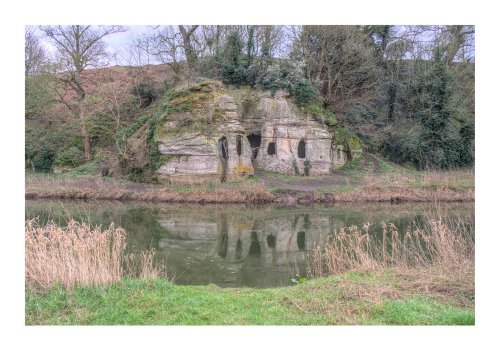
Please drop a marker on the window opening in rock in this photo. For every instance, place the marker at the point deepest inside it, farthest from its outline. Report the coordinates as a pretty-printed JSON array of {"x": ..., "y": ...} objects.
[
  {"x": 301, "y": 149},
  {"x": 223, "y": 147},
  {"x": 223, "y": 156},
  {"x": 254, "y": 140},
  {"x": 271, "y": 148},
  {"x": 238, "y": 145}
]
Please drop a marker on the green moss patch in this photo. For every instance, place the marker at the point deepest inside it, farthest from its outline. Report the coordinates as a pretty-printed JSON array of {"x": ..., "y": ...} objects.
[
  {"x": 345, "y": 137},
  {"x": 189, "y": 110}
]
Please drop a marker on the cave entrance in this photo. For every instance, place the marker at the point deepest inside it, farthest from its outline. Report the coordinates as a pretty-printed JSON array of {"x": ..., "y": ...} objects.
[
  {"x": 271, "y": 148},
  {"x": 301, "y": 149},
  {"x": 254, "y": 140},
  {"x": 223, "y": 155},
  {"x": 238, "y": 145}
]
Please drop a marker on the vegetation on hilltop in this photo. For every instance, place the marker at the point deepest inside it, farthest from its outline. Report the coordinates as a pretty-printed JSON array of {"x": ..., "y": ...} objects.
[{"x": 410, "y": 100}]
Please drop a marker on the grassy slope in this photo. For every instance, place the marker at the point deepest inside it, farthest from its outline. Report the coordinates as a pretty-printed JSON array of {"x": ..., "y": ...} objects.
[
  {"x": 352, "y": 298},
  {"x": 368, "y": 179}
]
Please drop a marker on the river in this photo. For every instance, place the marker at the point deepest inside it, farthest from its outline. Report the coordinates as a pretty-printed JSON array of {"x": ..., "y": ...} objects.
[{"x": 239, "y": 245}]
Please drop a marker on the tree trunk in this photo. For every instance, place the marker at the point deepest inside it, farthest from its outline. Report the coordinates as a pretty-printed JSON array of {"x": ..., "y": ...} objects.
[
  {"x": 188, "y": 48},
  {"x": 83, "y": 130}
]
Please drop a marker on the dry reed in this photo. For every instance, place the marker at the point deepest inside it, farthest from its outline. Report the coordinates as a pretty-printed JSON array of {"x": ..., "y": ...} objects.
[
  {"x": 46, "y": 187},
  {"x": 436, "y": 246},
  {"x": 80, "y": 254}
]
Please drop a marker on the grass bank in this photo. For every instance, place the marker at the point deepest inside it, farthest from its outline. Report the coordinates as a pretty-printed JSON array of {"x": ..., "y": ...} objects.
[
  {"x": 416, "y": 278},
  {"x": 374, "y": 298},
  {"x": 345, "y": 186}
]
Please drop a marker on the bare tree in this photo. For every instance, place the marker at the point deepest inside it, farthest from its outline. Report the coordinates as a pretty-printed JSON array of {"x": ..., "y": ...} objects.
[
  {"x": 187, "y": 40},
  {"x": 34, "y": 53},
  {"x": 271, "y": 40},
  {"x": 140, "y": 51},
  {"x": 79, "y": 47},
  {"x": 165, "y": 44},
  {"x": 339, "y": 60}
]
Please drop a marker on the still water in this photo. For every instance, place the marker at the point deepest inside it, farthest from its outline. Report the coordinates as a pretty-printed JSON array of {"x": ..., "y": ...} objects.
[{"x": 238, "y": 245}]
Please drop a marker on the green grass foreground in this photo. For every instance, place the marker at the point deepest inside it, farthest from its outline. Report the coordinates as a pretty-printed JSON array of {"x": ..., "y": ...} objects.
[{"x": 380, "y": 298}]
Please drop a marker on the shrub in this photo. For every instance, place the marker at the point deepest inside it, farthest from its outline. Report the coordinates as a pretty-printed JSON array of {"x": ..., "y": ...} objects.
[
  {"x": 256, "y": 71},
  {"x": 43, "y": 159},
  {"x": 286, "y": 75},
  {"x": 347, "y": 138},
  {"x": 304, "y": 92},
  {"x": 319, "y": 113},
  {"x": 307, "y": 167},
  {"x": 234, "y": 74},
  {"x": 145, "y": 92},
  {"x": 233, "y": 70},
  {"x": 71, "y": 157}
]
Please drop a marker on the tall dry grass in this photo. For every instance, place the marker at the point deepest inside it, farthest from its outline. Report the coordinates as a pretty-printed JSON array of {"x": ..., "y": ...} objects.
[
  {"x": 95, "y": 188},
  {"x": 438, "y": 245},
  {"x": 80, "y": 254}
]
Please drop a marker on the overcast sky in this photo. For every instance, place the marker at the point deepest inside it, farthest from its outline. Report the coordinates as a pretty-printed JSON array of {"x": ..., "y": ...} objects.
[{"x": 118, "y": 43}]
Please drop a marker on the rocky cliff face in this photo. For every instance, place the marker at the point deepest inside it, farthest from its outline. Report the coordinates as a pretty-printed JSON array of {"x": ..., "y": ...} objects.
[
  {"x": 218, "y": 152},
  {"x": 290, "y": 141},
  {"x": 224, "y": 134}
]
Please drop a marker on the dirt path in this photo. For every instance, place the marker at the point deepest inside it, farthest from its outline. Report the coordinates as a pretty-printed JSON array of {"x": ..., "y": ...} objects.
[
  {"x": 369, "y": 164},
  {"x": 306, "y": 184}
]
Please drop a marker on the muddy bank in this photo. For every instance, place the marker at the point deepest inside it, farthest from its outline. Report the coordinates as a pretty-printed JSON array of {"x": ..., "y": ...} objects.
[{"x": 258, "y": 195}]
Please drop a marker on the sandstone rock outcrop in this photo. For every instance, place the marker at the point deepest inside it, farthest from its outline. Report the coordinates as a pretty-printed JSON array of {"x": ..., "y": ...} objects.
[
  {"x": 222, "y": 154},
  {"x": 287, "y": 140},
  {"x": 224, "y": 134}
]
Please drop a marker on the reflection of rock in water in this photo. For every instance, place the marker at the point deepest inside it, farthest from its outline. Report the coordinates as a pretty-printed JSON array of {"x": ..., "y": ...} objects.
[
  {"x": 242, "y": 250},
  {"x": 206, "y": 244},
  {"x": 254, "y": 246},
  {"x": 222, "y": 251},
  {"x": 271, "y": 241},
  {"x": 238, "y": 250},
  {"x": 301, "y": 240}
]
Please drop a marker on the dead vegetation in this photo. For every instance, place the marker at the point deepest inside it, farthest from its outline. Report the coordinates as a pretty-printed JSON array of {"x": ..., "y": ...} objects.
[
  {"x": 435, "y": 260},
  {"x": 244, "y": 192},
  {"x": 80, "y": 254}
]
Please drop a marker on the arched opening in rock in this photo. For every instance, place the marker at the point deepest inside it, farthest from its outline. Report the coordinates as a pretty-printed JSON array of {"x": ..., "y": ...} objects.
[
  {"x": 254, "y": 140},
  {"x": 238, "y": 145},
  {"x": 301, "y": 149},
  {"x": 271, "y": 148},
  {"x": 223, "y": 147},
  {"x": 223, "y": 156},
  {"x": 301, "y": 240},
  {"x": 338, "y": 154},
  {"x": 271, "y": 241},
  {"x": 254, "y": 246}
]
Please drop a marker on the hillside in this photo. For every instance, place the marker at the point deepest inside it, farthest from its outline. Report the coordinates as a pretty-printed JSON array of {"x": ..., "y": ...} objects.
[{"x": 143, "y": 128}]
